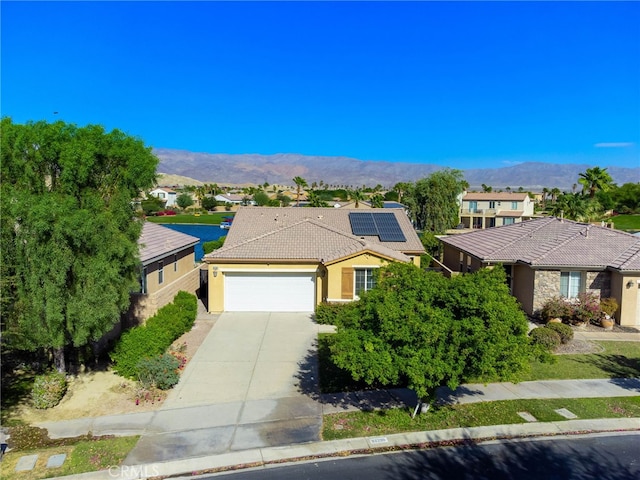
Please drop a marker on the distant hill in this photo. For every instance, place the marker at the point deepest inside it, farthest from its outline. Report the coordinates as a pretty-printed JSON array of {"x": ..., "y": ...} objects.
[{"x": 281, "y": 168}]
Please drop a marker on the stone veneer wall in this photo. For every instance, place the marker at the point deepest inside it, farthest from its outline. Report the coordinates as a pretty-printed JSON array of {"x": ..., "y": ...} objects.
[
  {"x": 598, "y": 283},
  {"x": 547, "y": 285}
]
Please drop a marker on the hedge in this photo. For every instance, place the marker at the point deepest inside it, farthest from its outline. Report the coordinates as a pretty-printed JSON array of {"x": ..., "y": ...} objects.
[{"x": 153, "y": 338}]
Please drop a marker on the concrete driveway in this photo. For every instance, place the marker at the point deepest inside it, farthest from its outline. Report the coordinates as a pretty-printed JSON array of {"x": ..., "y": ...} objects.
[{"x": 251, "y": 384}]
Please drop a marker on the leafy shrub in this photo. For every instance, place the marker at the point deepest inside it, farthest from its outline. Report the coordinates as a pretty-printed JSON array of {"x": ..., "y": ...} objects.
[
  {"x": 545, "y": 337},
  {"x": 327, "y": 313},
  {"x": 556, "y": 307},
  {"x": 587, "y": 309},
  {"x": 48, "y": 390},
  {"x": 209, "y": 247},
  {"x": 565, "y": 331},
  {"x": 160, "y": 372},
  {"x": 609, "y": 306},
  {"x": 338, "y": 314},
  {"x": 153, "y": 338}
]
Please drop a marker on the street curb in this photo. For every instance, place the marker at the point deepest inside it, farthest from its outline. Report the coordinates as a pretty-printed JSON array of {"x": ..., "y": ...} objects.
[{"x": 270, "y": 456}]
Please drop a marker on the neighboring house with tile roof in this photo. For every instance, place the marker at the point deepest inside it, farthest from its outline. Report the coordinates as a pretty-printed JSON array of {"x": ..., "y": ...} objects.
[
  {"x": 168, "y": 265},
  {"x": 168, "y": 195},
  {"x": 293, "y": 258},
  {"x": 481, "y": 210},
  {"x": 549, "y": 257},
  {"x": 234, "y": 198}
]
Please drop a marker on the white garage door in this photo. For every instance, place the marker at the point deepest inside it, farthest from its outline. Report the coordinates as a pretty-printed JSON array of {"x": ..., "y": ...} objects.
[{"x": 269, "y": 292}]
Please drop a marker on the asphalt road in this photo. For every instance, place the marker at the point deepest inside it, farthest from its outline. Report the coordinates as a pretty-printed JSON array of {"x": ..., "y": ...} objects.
[{"x": 598, "y": 456}]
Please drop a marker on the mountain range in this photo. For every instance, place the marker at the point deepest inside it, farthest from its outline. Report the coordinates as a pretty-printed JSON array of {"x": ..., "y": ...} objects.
[{"x": 282, "y": 168}]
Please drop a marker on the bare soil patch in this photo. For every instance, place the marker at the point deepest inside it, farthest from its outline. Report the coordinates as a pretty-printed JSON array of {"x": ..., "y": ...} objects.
[{"x": 100, "y": 393}]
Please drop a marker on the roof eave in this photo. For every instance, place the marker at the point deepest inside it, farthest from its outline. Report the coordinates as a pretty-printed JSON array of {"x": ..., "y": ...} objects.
[
  {"x": 260, "y": 260},
  {"x": 155, "y": 258}
]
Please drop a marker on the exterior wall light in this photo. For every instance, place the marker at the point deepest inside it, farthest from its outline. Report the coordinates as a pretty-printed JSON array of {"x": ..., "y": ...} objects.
[
  {"x": 215, "y": 271},
  {"x": 630, "y": 284}
]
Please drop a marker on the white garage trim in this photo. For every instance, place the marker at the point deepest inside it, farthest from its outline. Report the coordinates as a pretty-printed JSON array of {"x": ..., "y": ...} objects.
[{"x": 269, "y": 291}]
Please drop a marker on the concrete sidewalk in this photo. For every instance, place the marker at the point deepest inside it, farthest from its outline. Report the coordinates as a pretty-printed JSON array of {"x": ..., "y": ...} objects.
[
  {"x": 613, "y": 336},
  {"x": 265, "y": 457},
  {"x": 210, "y": 416}
]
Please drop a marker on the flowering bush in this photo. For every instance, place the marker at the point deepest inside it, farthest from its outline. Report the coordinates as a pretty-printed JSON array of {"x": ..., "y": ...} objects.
[
  {"x": 48, "y": 390},
  {"x": 556, "y": 307},
  {"x": 587, "y": 308}
]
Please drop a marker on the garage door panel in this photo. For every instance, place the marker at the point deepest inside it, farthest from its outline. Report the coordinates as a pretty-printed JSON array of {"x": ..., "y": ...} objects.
[{"x": 270, "y": 292}]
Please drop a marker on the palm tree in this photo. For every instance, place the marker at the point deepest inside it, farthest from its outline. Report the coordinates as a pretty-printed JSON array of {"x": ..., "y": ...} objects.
[
  {"x": 357, "y": 196},
  {"x": 594, "y": 179},
  {"x": 376, "y": 200},
  {"x": 401, "y": 188},
  {"x": 300, "y": 184},
  {"x": 200, "y": 193},
  {"x": 486, "y": 188},
  {"x": 545, "y": 192},
  {"x": 571, "y": 206},
  {"x": 555, "y": 192}
]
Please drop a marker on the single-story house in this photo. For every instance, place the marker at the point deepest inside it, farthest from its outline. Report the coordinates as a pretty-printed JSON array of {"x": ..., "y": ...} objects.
[
  {"x": 492, "y": 209},
  {"x": 549, "y": 257},
  {"x": 166, "y": 194},
  {"x": 232, "y": 198},
  {"x": 291, "y": 259},
  {"x": 168, "y": 265}
]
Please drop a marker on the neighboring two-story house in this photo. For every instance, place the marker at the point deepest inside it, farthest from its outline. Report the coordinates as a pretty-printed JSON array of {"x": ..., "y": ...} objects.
[
  {"x": 166, "y": 194},
  {"x": 488, "y": 209}
]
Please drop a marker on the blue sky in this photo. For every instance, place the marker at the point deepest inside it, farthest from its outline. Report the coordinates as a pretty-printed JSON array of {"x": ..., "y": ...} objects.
[{"x": 465, "y": 85}]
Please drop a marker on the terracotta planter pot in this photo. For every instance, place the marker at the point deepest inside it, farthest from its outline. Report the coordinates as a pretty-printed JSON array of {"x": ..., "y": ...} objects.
[{"x": 607, "y": 323}]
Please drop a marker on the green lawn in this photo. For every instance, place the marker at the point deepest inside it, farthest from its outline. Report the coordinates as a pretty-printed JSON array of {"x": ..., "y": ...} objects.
[
  {"x": 626, "y": 222},
  {"x": 205, "y": 218},
  {"x": 83, "y": 456},
  {"x": 619, "y": 360},
  {"x": 386, "y": 422}
]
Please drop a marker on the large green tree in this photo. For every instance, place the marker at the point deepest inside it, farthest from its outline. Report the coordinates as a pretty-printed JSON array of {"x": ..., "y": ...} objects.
[
  {"x": 184, "y": 200},
  {"x": 422, "y": 330},
  {"x": 433, "y": 201},
  {"x": 69, "y": 237},
  {"x": 595, "y": 179}
]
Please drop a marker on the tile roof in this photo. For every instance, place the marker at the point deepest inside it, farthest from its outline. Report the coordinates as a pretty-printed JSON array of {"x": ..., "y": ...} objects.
[
  {"x": 551, "y": 242},
  {"x": 498, "y": 196},
  {"x": 318, "y": 234},
  {"x": 157, "y": 242}
]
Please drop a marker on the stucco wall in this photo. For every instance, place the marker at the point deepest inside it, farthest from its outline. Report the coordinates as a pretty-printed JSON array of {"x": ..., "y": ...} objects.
[
  {"x": 334, "y": 273},
  {"x": 174, "y": 269},
  {"x": 627, "y": 297},
  {"x": 523, "y": 279},
  {"x": 144, "y": 306}
]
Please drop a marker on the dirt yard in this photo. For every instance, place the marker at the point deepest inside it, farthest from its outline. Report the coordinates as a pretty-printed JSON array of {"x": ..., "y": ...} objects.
[{"x": 102, "y": 393}]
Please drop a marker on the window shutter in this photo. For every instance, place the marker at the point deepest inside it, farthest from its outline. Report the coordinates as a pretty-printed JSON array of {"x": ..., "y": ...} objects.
[{"x": 347, "y": 283}]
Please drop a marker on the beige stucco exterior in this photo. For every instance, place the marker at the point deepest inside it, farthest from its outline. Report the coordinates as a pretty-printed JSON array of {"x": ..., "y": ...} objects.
[
  {"x": 626, "y": 289},
  {"x": 180, "y": 272},
  {"x": 328, "y": 278}
]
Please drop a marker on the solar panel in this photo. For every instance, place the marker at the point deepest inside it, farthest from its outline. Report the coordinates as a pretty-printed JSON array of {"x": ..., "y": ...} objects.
[
  {"x": 388, "y": 228},
  {"x": 383, "y": 225},
  {"x": 362, "y": 224}
]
